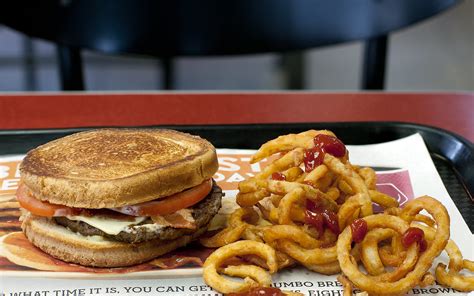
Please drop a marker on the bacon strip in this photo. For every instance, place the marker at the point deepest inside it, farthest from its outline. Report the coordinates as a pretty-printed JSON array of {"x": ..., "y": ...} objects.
[{"x": 181, "y": 219}]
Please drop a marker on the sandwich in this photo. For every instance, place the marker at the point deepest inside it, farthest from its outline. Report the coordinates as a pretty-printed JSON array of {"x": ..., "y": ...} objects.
[{"x": 118, "y": 197}]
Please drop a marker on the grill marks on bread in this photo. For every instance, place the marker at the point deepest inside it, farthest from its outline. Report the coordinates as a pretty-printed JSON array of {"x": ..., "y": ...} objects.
[
  {"x": 109, "y": 154},
  {"x": 110, "y": 168}
]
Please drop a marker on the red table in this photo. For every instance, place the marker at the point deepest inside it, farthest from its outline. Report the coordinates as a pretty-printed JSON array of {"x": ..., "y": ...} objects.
[{"x": 451, "y": 111}]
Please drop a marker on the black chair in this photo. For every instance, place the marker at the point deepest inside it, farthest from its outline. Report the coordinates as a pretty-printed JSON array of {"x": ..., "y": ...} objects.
[{"x": 166, "y": 29}]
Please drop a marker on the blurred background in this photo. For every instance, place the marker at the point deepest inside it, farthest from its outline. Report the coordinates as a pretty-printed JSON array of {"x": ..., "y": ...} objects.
[{"x": 435, "y": 54}]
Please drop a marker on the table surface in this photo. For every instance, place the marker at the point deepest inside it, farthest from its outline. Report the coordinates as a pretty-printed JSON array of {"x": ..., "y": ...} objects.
[{"x": 450, "y": 111}]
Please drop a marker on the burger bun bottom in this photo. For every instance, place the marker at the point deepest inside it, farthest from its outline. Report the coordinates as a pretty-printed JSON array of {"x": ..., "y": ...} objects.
[{"x": 59, "y": 242}]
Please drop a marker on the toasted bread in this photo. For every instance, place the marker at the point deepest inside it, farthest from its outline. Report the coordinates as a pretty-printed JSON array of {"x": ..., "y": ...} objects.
[
  {"x": 109, "y": 168},
  {"x": 61, "y": 243}
]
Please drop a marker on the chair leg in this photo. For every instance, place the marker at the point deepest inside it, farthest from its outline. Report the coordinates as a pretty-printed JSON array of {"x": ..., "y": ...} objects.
[
  {"x": 168, "y": 75},
  {"x": 293, "y": 67},
  {"x": 375, "y": 56},
  {"x": 70, "y": 68},
  {"x": 29, "y": 64}
]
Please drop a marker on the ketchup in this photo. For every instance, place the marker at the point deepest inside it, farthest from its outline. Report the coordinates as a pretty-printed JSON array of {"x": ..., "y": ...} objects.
[
  {"x": 331, "y": 221},
  {"x": 319, "y": 218},
  {"x": 313, "y": 206},
  {"x": 261, "y": 291},
  {"x": 330, "y": 144},
  {"x": 312, "y": 158},
  {"x": 413, "y": 235},
  {"x": 322, "y": 144},
  {"x": 359, "y": 230},
  {"x": 423, "y": 244},
  {"x": 278, "y": 176},
  {"x": 314, "y": 219}
]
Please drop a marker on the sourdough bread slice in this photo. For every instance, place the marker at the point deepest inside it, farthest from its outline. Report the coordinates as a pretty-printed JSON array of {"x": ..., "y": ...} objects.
[
  {"x": 61, "y": 243},
  {"x": 109, "y": 168}
]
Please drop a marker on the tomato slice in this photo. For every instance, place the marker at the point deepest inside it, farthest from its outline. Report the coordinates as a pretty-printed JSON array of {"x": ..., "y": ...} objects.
[
  {"x": 169, "y": 204},
  {"x": 41, "y": 208}
]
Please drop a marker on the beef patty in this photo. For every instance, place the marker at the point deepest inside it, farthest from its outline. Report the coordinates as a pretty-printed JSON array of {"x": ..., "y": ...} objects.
[{"x": 202, "y": 213}]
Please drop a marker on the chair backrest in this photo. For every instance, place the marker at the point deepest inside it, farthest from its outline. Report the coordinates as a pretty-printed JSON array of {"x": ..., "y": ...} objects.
[{"x": 211, "y": 27}]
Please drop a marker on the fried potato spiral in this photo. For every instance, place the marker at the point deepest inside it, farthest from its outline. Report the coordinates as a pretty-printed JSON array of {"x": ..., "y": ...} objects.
[
  {"x": 253, "y": 275},
  {"x": 312, "y": 207}
]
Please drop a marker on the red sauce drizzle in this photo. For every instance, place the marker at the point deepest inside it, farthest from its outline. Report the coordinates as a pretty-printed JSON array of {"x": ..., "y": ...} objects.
[
  {"x": 319, "y": 218},
  {"x": 413, "y": 235},
  {"x": 313, "y": 206},
  {"x": 322, "y": 144},
  {"x": 330, "y": 221},
  {"x": 312, "y": 158},
  {"x": 261, "y": 291},
  {"x": 359, "y": 230},
  {"x": 278, "y": 176},
  {"x": 316, "y": 220},
  {"x": 423, "y": 244},
  {"x": 330, "y": 144}
]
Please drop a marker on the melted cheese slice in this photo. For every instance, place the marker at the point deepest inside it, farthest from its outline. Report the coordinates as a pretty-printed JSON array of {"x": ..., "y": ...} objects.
[
  {"x": 106, "y": 224},
  {"x": 219, "y": 221}
]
